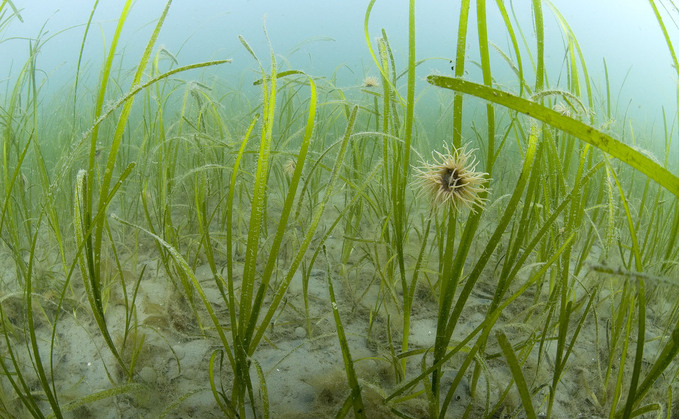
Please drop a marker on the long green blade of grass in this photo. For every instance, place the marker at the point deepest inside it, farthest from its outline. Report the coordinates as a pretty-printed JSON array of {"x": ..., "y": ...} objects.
[
  {"x": 117, "y": 139},
  {"x": 285, "y": 213},
  {"x": 258, "y": 196},
  {"x": 100, "y": 98},
  {"x": 320, "y": 208},
  {"x": 129, "y": 388},
  {"x": 357, "y": 400},
  {"x": 519, "y": 379},
  {"x": 400, "y": 212},
  {"x": 540, "y": 36},
  {"x": 80, "y": 56},
  {"x": 584, "y": 132},
  {"x": 460, "y": 57},
  {"x": 83, "y": 226},
  {"x": 186, "y": 269},
  {"x": 383, "y": 69},
  {"x": 229, "y": 228},
  {"x": 37, "y": 358},
  {"x": 450, "y": 321},
  {"x": 491, "y": 318}
]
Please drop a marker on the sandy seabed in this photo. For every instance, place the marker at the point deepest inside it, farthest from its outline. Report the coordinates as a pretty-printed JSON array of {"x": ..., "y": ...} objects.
[{"x": 301, "y": 360}]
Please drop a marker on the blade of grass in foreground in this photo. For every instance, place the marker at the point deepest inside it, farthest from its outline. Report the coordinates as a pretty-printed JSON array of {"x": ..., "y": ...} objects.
[
  {"x": 44, "y": 380},
  {"x": 259, "y": 192},
  {"x": 572, "y": 126},
  {"x": 82, "y": 225},
  {"x": 311, "y": 232},
  {"x": 520, "y": 380},
  {"x": 115, "y": 145},
  {"x": 356, "y": 399},
  {"x": 490, "y": 318},
  {"x": 285, "y": 213},
  {"x": 229, "y": 229},
  {"x": 448, "y": 322}
]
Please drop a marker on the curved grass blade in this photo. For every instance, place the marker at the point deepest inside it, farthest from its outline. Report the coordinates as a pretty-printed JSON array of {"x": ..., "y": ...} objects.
[
  {"x": 515, "y": 44},
  {"x": 15, "y": 11},
  {"x": 584, "y": 132},
  {"x": 184, "y": 266},
  {"x": 667, "y": 355},
  {"x": 225, "y": 407},
  {"x": 668, "y": 40},
  {"x": 383, "y": 70}
]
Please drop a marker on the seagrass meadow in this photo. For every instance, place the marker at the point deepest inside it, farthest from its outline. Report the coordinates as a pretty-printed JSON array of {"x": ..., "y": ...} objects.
[{"x": 482, "y": 222}]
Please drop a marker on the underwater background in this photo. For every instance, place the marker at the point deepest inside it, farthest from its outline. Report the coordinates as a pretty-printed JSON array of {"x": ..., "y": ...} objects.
[{"x": 339, "y": 208}]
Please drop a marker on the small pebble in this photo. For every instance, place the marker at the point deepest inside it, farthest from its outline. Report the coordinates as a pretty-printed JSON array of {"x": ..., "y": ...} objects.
[
  {"x": 148, "y": 375},
  {"x": 300, "y": 332},
  {"x": 179, "y": 351}
]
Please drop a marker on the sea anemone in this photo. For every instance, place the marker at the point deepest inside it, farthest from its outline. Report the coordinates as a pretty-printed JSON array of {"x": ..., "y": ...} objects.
[
  {"x": 289, "y": 168},
  {"x": 370, "y": 81},
  {"x": 452, "y": 179}
]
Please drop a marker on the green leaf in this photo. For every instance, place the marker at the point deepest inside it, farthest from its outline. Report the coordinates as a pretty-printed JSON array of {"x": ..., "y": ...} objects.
[{"x": 584, "y": 132}]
